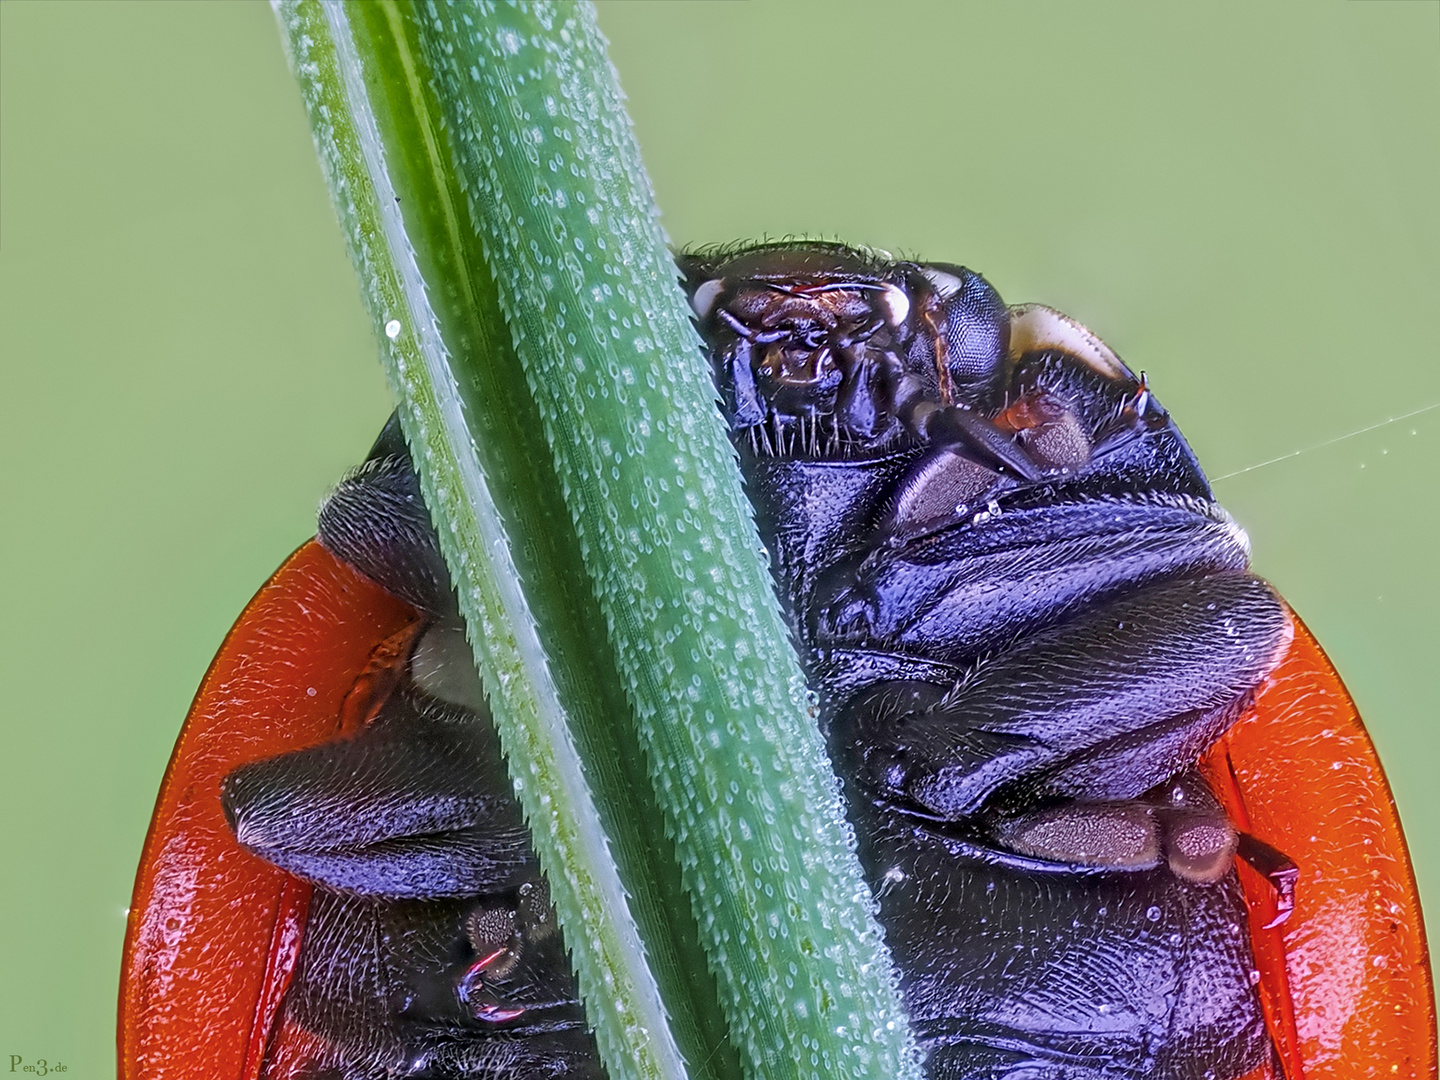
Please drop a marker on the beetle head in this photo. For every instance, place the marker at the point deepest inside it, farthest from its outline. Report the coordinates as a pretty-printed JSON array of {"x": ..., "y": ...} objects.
[{"x": 826, "y": 353}]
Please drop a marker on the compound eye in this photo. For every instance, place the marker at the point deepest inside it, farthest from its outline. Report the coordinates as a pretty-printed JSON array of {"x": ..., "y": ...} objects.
[{"x": 970, "y": 323}]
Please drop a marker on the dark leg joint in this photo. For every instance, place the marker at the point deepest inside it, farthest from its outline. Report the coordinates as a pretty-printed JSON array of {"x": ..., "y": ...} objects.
[
  {"x": 980, "y": 438},
  {"x": 1277, "y": 868}
]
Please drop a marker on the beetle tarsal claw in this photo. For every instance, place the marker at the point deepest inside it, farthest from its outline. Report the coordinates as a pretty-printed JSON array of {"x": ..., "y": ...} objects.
[
  {"x": 474, "y": 993},
  {"x": 1277, "y": 868}
]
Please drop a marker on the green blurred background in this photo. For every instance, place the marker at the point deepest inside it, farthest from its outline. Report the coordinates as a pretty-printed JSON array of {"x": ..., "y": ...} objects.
[{"x": 1234, "y": 196}]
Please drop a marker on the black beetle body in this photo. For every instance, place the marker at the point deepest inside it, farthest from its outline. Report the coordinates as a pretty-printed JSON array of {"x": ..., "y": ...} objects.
[{"x": 1027, "y": 619}]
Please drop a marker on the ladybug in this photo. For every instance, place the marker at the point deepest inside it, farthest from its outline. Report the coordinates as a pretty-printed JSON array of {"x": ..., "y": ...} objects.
[{"x": 1117, "y": 809}]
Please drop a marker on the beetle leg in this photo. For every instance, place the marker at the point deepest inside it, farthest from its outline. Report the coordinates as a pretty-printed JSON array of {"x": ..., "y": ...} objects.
[
  {"x": 955, "y": 592},
  {"x": 1277, "y": 868},
  {"x": 381, "y": 982},
  {"x": 1122, "y": 835},
  {"x": 501, "y": 935},
  {"x": 1049, "y": 429},
  {"x": 938, "y": 489},
  {"x": 970, "y": 433},
  {"x": 1179, "y": 823},
  {"x": 1199, "y": 840},
  {"x": 970, "y": 459},
  {"x": 416, "y": 805},
  {"x": 1110, "y": 703}
]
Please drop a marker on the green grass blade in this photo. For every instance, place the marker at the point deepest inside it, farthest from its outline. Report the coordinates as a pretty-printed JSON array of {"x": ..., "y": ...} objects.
[{"x": 571, "y": 233}]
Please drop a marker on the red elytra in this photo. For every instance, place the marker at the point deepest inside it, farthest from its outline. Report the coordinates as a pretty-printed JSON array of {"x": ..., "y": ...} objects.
[
  {"x": 214, "y": 931},
  {"x": 1345, "y": 981}
]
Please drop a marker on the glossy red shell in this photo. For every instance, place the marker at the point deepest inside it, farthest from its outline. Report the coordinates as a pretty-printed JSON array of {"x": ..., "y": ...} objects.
[
  {"x": 213, "y": 931},
  {"x": 1345, "y": 981}
]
